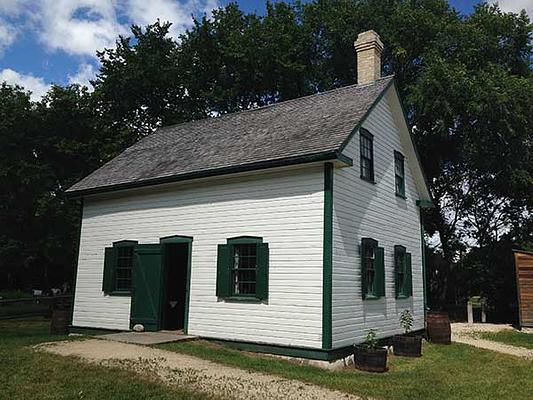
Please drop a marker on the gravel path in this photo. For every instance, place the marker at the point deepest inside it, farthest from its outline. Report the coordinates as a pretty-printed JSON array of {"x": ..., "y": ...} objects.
[
  {"x": 192, "y": 372},
  {"x": 466, "y": 333}
]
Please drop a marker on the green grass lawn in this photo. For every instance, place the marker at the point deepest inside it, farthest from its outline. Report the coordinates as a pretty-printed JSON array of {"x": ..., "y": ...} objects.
[
  {"x": 513, "y": 338},
  {"x": 27, "y": 374},
  {"x": 456, "y": 371}
]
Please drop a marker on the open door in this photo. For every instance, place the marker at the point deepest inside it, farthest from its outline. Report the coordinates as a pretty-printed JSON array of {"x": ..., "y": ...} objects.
[
  {"x": 176, "y": 258},
  {"x": 147, "y": 286}
]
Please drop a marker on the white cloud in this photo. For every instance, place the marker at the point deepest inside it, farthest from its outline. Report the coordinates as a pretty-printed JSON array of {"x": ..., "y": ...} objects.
[
  {"x": 516, "y": 6},
  {"x": 80, "y": 27},
  {"x": 86, "y": 73},
  {"x": 77, "y": 27},
  {"x": 144, "y": 12},
  {"x": 7, "y": 35},
  {"x": 35, "y": 85}
]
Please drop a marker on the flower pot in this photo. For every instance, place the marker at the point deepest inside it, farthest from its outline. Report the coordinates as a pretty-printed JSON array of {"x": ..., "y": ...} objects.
[
  {"x": 407, "y": 345},
  {"x": 372, "y": 360},
  {"x": 438, "y": 327}
]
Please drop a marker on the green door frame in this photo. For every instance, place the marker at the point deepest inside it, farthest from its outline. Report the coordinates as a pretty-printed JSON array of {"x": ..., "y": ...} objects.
[{"x": 187, "y": 240}]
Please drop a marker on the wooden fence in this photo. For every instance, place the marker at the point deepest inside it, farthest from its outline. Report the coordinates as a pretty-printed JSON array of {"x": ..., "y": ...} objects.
[{"x": 34, "y": 306}]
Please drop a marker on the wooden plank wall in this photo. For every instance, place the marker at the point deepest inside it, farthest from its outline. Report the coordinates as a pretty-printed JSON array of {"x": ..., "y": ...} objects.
[{"x": 524, "y": 283}]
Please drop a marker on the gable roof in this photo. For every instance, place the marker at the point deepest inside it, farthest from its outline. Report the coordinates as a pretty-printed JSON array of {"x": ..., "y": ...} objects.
[{"x": 309, "y": 128}]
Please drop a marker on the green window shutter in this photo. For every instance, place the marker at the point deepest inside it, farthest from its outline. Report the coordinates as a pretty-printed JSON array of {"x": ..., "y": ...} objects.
[
  {"x": 261, "y": 287},
  {"x": 108, "y": 284},
  {"x": 380, "y": 272},
  {"x": 223, "y": 270},
  {"x": 408, "y": 275}
]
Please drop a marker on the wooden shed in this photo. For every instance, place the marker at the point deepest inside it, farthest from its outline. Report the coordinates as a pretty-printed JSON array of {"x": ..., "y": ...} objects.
[{"x": 524, "y": 284}]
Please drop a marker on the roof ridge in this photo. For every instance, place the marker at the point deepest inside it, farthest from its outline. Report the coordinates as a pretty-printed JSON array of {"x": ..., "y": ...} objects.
[{"x": 355, "y": 85}]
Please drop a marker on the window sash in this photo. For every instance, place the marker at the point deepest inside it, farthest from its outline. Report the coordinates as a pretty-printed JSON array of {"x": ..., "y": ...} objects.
[
  {"x": 123, "y": 268},
  {"x": 400, "y": 265},
  {"x": 399, "y": 174},
  {"x": 244, "y": 270},
  {"x": 367, "y": 155}
]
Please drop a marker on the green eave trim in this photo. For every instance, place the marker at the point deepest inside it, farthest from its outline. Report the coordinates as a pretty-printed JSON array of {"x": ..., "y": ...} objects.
[
  {"x": 327, "y": 257},
  {"x": 301, "y": 352},
  {"x": 332, "y": 155},
  {"x": 425, "y": 204}
]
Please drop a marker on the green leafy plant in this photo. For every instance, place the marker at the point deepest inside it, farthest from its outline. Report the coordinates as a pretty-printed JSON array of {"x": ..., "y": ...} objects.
[
  {"x": 406, "y": 321},
  {"x": 371, "y": 340}
]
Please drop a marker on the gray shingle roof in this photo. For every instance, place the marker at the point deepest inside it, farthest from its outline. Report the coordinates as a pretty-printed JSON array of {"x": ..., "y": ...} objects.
[{"x": 291, "y": 130}]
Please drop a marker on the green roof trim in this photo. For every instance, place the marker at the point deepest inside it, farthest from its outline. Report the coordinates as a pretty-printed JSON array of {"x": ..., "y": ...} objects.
[
  {"x": 323, "y": 156},
  {"x": 425, "y": 204}
]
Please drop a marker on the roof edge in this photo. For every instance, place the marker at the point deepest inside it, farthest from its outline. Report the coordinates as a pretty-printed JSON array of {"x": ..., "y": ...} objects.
[
  {"x": 367, "y": 113},
  {"x": 281, "y": 162}
]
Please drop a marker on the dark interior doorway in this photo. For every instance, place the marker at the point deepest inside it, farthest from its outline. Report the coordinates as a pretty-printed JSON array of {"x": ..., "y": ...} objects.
[{"x": 175, "y": 285}]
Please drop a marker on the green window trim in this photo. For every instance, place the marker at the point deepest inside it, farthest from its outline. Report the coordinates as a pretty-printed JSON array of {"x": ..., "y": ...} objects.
[
  {"x": 372, "y": 269},
  {"x": 366, "y": 155},
  {"x": 115, "y": 259},
  {"x": 399, "y": 174},
  {"x": 242, "y": 269},
  {"x": 402, "y": 273}
]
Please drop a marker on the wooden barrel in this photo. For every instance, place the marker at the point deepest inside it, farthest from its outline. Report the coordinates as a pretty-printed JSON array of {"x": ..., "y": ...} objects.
[
  {"x": 59, "y": 322},
  {"x": 438, "y": 327}
]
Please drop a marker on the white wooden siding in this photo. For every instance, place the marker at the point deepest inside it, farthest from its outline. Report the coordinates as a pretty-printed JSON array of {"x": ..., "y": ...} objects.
[
  {"x": 362, "y": 209},
  {"x": 284, "y": 207}
]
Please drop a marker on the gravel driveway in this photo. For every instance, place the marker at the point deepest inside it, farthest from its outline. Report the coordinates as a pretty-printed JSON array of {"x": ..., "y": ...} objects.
[
  {"x": 192, "y": 372},
  {"x": 465, "y": 333}
]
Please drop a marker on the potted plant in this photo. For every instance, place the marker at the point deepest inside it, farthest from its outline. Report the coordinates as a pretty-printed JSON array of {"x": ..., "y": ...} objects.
[
  {"x": 407, "y": 345},
  {"x": 368, "y": 356}
]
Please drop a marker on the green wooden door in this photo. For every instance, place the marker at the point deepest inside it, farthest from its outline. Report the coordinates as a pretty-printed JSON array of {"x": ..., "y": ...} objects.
[{"x": 147, "y": 286}]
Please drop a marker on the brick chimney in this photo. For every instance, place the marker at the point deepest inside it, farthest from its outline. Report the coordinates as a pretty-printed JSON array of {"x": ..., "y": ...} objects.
[{"x": 368, "y": 47}]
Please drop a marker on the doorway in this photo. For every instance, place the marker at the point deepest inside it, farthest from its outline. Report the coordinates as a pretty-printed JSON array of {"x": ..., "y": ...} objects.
[{"x": 174, "y": 299}]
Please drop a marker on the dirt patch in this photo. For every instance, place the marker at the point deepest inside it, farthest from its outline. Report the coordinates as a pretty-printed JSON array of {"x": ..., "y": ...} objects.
[
  {"x": 466, "y": 333},
  {"x": 192, "y": 372}
]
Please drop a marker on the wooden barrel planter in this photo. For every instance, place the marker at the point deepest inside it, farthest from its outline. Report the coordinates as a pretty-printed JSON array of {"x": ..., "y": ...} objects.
[
  {"x": 438, "y": 327},
  {"x": 407, "y": 345},
  {"x": 372, "y": 360},
  {"x": 60, "y": 321}
]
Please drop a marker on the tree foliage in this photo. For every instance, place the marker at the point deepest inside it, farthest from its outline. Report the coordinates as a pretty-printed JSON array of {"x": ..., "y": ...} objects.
[{"x": 466, "y": 82}]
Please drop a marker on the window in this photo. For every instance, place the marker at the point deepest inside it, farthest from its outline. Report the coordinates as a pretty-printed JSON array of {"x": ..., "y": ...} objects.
[
  {"x": 399, "y": 174},
  {"x": 372, "y": 269},
  {"x": 242, "y": 268},
  {"x": 402, "y": 268},
  {"x": 118, "y": 266},
  {"x": 124, "y": 267},
  {"x": 367, "y": 155}
]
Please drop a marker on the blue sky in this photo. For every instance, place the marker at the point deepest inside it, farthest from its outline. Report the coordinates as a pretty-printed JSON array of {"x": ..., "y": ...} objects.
[{"x": 54, "y": 41}]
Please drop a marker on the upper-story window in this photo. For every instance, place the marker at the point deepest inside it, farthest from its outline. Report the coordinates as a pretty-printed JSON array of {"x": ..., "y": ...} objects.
[
  {"x": 367, "y": 155},
  {"x": 399, "y": 174}
]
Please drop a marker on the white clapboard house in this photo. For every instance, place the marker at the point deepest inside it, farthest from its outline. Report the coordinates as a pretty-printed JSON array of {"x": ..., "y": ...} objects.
[{"x": 290, "y": 229}]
